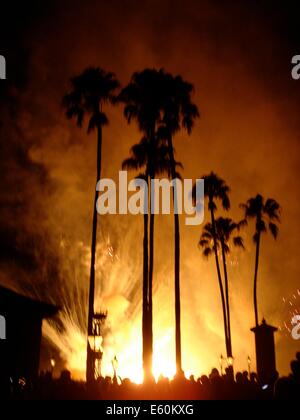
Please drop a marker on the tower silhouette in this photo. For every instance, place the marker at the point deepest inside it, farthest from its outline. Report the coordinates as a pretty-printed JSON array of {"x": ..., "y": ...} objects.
[{"x": 265, "y": 352}]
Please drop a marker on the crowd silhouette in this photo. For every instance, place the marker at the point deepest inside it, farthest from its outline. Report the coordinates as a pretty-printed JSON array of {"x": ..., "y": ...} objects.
[{"x": 244, "y": 386}]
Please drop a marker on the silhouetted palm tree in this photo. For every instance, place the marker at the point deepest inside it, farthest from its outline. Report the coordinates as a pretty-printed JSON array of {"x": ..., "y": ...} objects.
[
  {"x": 225, "y": 229},
  {"x": 162, "y": 105},
  {"x": 178, "y": 112},
  {"x": 266, "y": 215},
  {"x": 141, "y": 155},
  {"x": 216, "y": 189},
  {"x": 143, "y": 102},
  {"x": 90, "y": 91}
]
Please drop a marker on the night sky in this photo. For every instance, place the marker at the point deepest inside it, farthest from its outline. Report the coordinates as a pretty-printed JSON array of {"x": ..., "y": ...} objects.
[{"x": 238, "y": 56}]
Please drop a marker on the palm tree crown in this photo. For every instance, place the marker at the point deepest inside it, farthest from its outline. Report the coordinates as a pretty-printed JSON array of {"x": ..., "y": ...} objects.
[
  {"x": 225, "y": 228},
  {"x": 90, "y": 90},
  {"x": 216, "y": 188},
  {"x": 144, "y": 152},
  {"x": 267, "y": 216},
  {"x": 179, "y": 110},
  {"x": 266, "y": 213},
  {"x": 143, "y": 99}
]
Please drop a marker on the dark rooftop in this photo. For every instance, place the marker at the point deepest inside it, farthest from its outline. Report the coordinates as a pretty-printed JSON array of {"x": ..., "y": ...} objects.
[{"x": 18, "y": 303}]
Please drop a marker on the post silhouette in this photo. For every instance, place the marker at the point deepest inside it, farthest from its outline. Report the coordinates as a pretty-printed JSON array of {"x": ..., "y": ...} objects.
[{"x": 265, "y": 352}]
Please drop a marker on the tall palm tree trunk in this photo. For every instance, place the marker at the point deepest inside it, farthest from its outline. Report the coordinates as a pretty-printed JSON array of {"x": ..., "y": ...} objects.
[
  {"x": 151, "y": 270},
  {"x": 176, "y": 263},
  {"x": 90, "y": 367},
  {"x": 177, "y": 294},
  {"x": 255, "y": 279},
  {"x": 219, "y": 278},
  {"x": 227, "y": 301},
  {"x": 145, "y": 321},
  {"x": 151, "y": 174}
]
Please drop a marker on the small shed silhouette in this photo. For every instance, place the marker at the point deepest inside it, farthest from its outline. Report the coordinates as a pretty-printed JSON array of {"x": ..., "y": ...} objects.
[{"x": 21, "y": 328}]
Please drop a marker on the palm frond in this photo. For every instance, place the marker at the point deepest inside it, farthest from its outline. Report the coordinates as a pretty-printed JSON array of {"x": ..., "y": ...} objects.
[
  {"x": 97, "y": 120},
  {"x": 273, "y": 229},
  {"x": 238, "y": 242},
  {"x": 207, "y": 252},
  {"x": 272, "y": 209},
  {"x": 226, "y": 248},
  {"x": 203, "y": 243},
  {"x": 261, "y": 226},
  {"x": 242, "y": 223},
  {"x": 130, "y": 164}
]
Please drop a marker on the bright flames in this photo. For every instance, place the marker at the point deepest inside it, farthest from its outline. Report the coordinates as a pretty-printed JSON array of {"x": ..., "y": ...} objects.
[
  {"x": 120, "y": 295},
  {"x": 125, "y": 346}
]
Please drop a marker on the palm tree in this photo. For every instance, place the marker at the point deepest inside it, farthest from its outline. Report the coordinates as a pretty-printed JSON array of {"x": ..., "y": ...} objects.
[
  {"x": 225, "y": 228},
  {"x": 138, "y": 159},
  {"x": 266, "y": 214},
  {"x": 142, "y": 99},
  {"x": 90, "y": 91},
  {"x": 161, "y": 104},
  {"x": 143, "y": 154},
  {"x": 179, "y": 112},
  {"x": 215, "y": 188}
]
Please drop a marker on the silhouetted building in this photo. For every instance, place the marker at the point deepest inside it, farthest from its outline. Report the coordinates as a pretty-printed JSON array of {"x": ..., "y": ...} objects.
[
  {"x": 265, "y": 352},
  {"x": 20, "y": 335}
]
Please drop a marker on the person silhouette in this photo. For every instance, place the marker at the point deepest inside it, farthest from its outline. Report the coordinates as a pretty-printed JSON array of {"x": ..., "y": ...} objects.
[{"x": 288, "y": 388}]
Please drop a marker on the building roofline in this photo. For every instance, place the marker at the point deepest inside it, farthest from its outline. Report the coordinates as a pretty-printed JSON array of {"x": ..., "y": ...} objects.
[{"x": 13, "y": 301}]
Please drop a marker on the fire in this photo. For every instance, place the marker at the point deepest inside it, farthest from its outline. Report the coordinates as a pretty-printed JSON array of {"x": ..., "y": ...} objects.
[
  {"x": 124, "y": 343},
  {"x": 118, "y": 291},
  {"x": 129, "y": 359},
  {"x": 126, "y": 347},
  {"x": 122, "y": 335}
]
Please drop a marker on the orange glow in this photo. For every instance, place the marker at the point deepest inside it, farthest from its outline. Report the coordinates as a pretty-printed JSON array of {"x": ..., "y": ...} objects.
[
  {"x": 123, "y": 332},
  {"x": 127, "y": 348}
]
